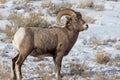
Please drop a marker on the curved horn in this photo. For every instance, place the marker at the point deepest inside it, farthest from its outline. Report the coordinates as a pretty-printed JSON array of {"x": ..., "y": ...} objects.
[{"x": 69, "y": 12}]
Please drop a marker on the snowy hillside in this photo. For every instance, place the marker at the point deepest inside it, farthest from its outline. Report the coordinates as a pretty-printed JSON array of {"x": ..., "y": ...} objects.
[{"x": 96, "y": 54}]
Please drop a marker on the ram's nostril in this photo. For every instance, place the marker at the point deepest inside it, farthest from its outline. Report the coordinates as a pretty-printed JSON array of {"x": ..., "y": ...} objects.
[{"x": 86, "y": 25}]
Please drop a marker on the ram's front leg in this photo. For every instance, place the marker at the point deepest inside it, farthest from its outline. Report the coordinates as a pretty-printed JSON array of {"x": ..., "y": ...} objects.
[{"x": 58, "y": 61}]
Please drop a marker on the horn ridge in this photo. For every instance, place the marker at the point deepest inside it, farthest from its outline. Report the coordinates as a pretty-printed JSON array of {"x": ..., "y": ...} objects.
[{"x": 63, "y": 12}]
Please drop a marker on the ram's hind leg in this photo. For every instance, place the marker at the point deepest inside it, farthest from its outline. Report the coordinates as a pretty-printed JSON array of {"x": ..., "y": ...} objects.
[
  {"x": 23, "y": 55},
  {"x": 13, "y": 66}
]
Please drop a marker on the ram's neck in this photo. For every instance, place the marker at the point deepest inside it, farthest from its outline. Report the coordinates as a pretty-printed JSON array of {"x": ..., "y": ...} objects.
[{"x": 72, "y": 35}]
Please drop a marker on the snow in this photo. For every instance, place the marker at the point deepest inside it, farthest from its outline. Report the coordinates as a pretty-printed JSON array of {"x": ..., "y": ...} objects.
[
  {"x": 105, "y": 30},
  {"x": 4, "y": 24}
]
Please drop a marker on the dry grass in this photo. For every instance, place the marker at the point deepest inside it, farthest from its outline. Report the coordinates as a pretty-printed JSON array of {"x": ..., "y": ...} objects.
[
  {"x": 23, "y": 5},
  {"x": 1, "y": 17},
  {"x": 87, "y": 18},
  {"x": 98, "y": 41},
  {"x": 98, "y": 6},
  {"x": 116, "y": 61},
  {"x": 46, "y": 3},
  {"x": 18, "y": 7},
  {"x": 116, "y": 76},
  {"x": 19, "y": 20},
  {"x": 65, "y": 5},
  {"x": 79, "y": 70},
  {"x": 43, "y": 65},
  {"x": 86, "y": 3},
  {"x": 117, "y": 46},
  {"x": 65, "y": 78},
  {"x": 2, "y": 6},
  {"x": 3, "y": 1},
  {"x": 99, "y": 76},
  {"x": 45, "y": 74},
  {"x": 53, "y": 8},
  {"x": 4, "y": 72},
  {"x": 32, "y": 20},
  {"x": 46, "y": 77},
  {"x": 50, "y": 5},
  {"x": 113, "y": 40},
  {"x": 9, "y": 31},
  {"x": 112, "y": 0},
  {"x": 102, "y": 57},
  {"x": 95, "y": 41}
]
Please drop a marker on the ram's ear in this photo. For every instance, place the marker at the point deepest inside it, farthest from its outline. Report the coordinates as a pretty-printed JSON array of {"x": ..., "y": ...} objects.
[{"x": 68, "y": 23}]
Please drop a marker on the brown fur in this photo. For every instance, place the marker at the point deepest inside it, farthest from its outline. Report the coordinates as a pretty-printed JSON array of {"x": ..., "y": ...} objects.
[{"x": 55, "y": 42}]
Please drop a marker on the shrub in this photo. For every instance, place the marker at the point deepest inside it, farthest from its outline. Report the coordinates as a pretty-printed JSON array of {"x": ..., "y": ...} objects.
[
  {"x": 53, "y": 8},
  {"x": 99, "y": 76},
  {"x": 9, "y": 31},
  {"x": 46, "y": 77},
  {"x": 1, "y": 17},
  {"x": 98, "y": 6},
  {"x": 116, "y": 61},
  {"x": 96, "y": 41},
  {"x": 102, "y": 58},
  {"x": 79, "y": 69},
  {"x": 86, "y": 3},
  {"x": 117, "y": 45},
  {"x": 4, "y": 72},
  {"x": 3, "y": 1},
  {"x": 65, "y": 5},
  {"x": 18, "y": 20},
  {"x": 46, "y": 3},
  {"x": 87, "y": 18},
  {"x": 32, "y": 20}
]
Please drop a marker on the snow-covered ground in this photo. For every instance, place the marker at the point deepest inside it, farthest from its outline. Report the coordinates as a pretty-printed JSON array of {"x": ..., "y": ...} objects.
[{"x": 103, "y": 36}]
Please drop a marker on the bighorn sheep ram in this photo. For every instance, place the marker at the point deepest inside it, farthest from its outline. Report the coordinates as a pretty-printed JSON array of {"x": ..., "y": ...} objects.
[{"x": 55, "y": 42}]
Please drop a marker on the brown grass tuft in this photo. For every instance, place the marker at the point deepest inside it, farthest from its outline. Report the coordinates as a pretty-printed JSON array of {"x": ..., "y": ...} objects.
[
  {"x": 79, "y": 70},
  {"x": 46, "y": 3},
  {"x": 65, "y": 4},
  {"x": 87, "y": 18},
  {"x": 95, "y": 41},
  {"x": 1, "y": 17},
  {"x": 102, "y": 57},
  {"x": 86, "y": 3},
  {"x": 117, "y": 46},
  {"x": 53, "y": 8},
  {"x": 65, "y": 78},
  {"x": 99, "y": 76},
  {"x": 116, "y": 61},
  {"x": 32, "y": 20},
  {"x": 46, "y": 77},
  {"x": 3, "y": 1},
  {"x": 4, "y": 72},
  {"x": 9, "y": 31},
  {"x": 98, "y": 6}
]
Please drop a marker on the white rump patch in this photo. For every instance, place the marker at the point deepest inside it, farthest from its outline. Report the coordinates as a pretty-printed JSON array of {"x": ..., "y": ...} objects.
[{"x": 18, "y": 38}]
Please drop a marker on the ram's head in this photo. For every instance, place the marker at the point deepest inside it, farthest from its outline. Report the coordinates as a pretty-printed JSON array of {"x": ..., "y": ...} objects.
[{"x": 74, "y": 21}]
